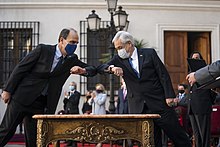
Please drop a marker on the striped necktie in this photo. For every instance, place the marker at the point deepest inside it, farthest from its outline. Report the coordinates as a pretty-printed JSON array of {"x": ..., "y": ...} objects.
[{"x": 124, "y": 93}]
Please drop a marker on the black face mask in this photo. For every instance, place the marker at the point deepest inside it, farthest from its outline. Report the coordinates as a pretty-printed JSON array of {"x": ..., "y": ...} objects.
[
  {"x": 181, "y": 91},
  {"x": 99, "y": 91}
]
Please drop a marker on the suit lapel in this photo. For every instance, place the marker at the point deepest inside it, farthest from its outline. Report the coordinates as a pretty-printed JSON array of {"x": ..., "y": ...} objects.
[
  {"x": 68, "y": 62},
  {"x": 52, "y": 54},
  {"x": 127, "y": 64},
  {"x": 140, "y": 60}
]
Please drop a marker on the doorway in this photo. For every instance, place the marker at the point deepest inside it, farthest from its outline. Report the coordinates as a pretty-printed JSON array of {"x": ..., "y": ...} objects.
[{"x": 178, "y": 45}]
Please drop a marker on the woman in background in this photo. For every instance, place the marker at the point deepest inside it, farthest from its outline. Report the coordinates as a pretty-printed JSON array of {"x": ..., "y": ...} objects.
[
  {"x": 87, "y": 108},
  {"x": 98, "y": 102}
]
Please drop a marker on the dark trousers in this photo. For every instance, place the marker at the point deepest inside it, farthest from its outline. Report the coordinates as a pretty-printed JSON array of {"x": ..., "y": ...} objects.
[
  {"x": 171, "y": 127},
  {"x": 201, "y": 125},
  {"x": 16, "y": 113}
]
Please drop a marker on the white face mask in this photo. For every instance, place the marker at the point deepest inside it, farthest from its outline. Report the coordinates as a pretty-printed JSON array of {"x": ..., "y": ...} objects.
[
  {"x": 123, "y": 53},
  {"x": 71, "y": 88}
]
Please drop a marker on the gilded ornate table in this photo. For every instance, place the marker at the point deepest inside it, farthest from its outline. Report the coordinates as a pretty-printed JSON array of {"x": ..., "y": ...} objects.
[{"x": 95, "y": 128}]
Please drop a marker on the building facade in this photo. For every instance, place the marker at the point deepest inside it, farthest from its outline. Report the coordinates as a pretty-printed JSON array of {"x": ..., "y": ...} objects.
[{"x": 173, "y": 27}]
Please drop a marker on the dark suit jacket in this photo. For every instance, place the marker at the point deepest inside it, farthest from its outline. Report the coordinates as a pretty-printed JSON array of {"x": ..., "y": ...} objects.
[
  {"x": 184, "y": 101},
  {"x": 153, "y": 86},
  {"x": 71, "y": 104},
  {"x": 200, "y": 101},
  {"x": 122, "y": 106},
  {"x": 32, "y": 74}
]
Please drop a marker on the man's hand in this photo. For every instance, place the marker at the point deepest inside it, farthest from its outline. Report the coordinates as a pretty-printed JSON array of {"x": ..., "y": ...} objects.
[
  {"x": 191, "y": 78},
  {"x": 176, "y": 100},
  {"x": 171, "y": 102},
  {"x": 77, "y": 70},
  {"x": 6, "y": 96},
  {"x": 117, "y": 71}
]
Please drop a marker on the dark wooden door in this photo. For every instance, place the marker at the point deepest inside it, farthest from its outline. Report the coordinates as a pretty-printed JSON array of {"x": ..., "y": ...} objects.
[
  {"x": 200, "y": 41},
  {"x": 175, "y": 54},
  {"x": 177, "y": 48}
]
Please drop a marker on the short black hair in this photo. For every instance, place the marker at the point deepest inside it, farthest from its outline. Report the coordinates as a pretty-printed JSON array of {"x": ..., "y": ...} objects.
[
  {"x": 65, "y": 32},
  {"x": 196, "y": 52},
  {"x": 184, "y": 85}
]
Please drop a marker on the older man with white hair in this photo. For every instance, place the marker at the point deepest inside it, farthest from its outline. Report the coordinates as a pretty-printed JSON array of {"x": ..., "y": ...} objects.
[{"x": 149, "y": 88}]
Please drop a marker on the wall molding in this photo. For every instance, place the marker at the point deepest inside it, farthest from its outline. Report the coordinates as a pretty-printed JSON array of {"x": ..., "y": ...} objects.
[
  {"x": 213, "y": 28},
  {"x": 199, "y": 6}
]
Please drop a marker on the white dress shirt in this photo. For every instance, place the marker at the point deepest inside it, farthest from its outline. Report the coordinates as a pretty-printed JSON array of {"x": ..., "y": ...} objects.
[
  {"x": 56, "y": 59},
  {"x": 134, "y": 60}
]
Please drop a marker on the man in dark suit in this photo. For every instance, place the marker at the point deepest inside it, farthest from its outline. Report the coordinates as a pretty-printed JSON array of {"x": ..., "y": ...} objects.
[
  {"x": 182, "y": 97},
  {"x": 71, "y": 105},
  {"x": 199, "y": 109},
  {"x": 71, "y": 100},
  {"x": 122, "y": 105},
  {"x": 148, "y": 85},
  {"x": 36, "y": 83},
  {"x": 122, "y": 108}
]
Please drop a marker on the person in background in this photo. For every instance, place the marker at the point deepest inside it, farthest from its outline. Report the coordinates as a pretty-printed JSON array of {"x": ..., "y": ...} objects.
[
  {"x": 71, "y": 100},
  {"x": 182, "y": 96},
  {"x": 87, "y": 108},
  {"x": 122, "y": 105},
  {"x": 199, "y": 109},
  {"x": 35, "y": 85},
  {"x": 71, "y": 105},
  {"x": 149, "y": 88},
  {"x": 196, "y": 55},
  {"x": 98, "y": 102},
  {"x": 182, "y": 99}
]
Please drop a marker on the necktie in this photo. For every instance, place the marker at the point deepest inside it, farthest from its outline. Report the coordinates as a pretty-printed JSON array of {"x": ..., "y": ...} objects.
[
  {"x": 124, "y": 93},
  {"x": 60, "y": 62},
  {"x": 136, "y": 72},
  {"x": 180, "y": 97}
]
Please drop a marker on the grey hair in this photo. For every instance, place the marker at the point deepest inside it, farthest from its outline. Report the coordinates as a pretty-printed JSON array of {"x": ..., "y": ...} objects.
[{"x": 124, "y": 36}]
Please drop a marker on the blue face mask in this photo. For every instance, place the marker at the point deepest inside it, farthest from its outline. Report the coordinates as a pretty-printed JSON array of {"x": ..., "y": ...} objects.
[
  {"x": 71, "y": 88},
  {"x": 70, "y": 48}
]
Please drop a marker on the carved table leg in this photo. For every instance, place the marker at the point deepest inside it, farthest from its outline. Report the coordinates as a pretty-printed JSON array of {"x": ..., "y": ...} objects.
[
  {"x": 42, "y": 129},
  {"x": 146, "y": 134}
]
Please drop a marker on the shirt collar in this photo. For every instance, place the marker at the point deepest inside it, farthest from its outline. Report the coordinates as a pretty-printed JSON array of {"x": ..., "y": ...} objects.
[
  {"x": 134, "y": 55},
  {"x": 58, "y": 53},
  {"x": 72, "y": 92},
  {"x": 182, "y": 93}
]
